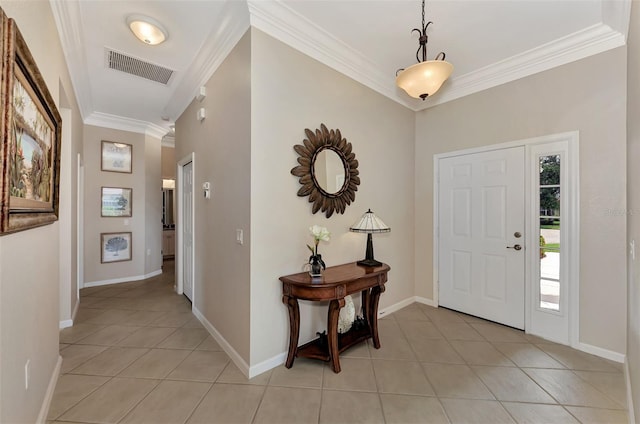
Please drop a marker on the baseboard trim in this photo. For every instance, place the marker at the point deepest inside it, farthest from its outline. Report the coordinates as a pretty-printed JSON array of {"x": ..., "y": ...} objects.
[
  {"x": 601, "y": 352},
  {"x": 66, "y": 323},
  {"x": 235, "y": 356},
  {"x": 396, "y": 307},
  {"x": 123, "y": 279},
  {"x": 627, "y": 378},
  {"x": 267, "y": 364},
  {"x": 69, "y": 322},
  {"x": 75, "y": 310},
  {"x": 48, "y": 396},
  {"x": 426, "y": 301}
]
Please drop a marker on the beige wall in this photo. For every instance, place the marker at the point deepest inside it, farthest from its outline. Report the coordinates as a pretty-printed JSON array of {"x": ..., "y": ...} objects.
[
  {"x": 222, "y": 148},
  {"x": 588, "y": 96},
  {"x": 633, "y": 205},
  {"x": 291, "y": 92},
  {"x": 145, "y": 223},
  {"x": 153, "y": 205},
  {"x": 29, "y": 260},
  {"x": 168, "y": 162}
]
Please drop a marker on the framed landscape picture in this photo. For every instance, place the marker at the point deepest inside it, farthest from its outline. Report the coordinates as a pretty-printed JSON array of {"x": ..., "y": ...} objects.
[
  {"x": 30, "y": 133},
  {"x": 115, "y": 247},
  {"x": 116, "y": 157},
  {"x": 116, "y": 202}
]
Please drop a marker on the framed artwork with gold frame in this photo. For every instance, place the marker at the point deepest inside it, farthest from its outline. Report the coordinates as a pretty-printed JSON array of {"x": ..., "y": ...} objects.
[{"x": 30, "y": 134}]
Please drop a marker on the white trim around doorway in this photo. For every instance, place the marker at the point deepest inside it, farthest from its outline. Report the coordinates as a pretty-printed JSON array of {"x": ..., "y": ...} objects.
[
  {"x": 573, "y": 226},
  {"x": 190, "y": 158}
]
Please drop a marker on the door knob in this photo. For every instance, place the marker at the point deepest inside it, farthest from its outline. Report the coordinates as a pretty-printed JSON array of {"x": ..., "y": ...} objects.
[{"x": 516, "y": 247}]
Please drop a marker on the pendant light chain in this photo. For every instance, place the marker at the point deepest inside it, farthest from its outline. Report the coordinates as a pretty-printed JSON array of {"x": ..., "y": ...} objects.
[{"x": 425, "y": 77}]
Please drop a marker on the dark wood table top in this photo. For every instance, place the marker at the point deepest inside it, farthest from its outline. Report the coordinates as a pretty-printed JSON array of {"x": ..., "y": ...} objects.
[{"x": 335, "y": 275}]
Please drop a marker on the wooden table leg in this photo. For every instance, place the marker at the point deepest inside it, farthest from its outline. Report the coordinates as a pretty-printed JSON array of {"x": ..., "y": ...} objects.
[
  {"x": 294, "y": 328},
  {"x": 332, "y": 333},
  {"x": 372, "y": 310},
  {"x": 366, "y": 295}
]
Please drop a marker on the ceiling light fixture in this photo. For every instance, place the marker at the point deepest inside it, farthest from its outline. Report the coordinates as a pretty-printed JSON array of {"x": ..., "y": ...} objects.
[
  {"x": 147, "y": 29},
  {"x": 427, "y": 76}
]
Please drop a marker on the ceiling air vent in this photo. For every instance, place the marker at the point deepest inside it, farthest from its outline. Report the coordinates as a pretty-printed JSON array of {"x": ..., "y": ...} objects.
[{"x": 131, "y": 65}]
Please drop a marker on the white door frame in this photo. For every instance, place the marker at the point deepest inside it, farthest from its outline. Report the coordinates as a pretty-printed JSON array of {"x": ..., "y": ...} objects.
[
  {"x": 572, "y": 244},
  {"x": 80, "y": 225},
  {"x": 180, "y": 223}
]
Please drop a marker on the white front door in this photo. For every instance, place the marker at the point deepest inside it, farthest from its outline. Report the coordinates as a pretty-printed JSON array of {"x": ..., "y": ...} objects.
[
  {"x": 187, "y": 230},
  {"x": 481, "y": 215}
]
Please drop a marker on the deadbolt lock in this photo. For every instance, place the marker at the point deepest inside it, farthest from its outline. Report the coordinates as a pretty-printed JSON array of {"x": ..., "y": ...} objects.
[{"x": 517, "y": 234}]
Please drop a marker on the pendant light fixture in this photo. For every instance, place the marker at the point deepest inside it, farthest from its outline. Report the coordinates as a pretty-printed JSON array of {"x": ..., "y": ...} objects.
[{"x": 427, "y": 76}]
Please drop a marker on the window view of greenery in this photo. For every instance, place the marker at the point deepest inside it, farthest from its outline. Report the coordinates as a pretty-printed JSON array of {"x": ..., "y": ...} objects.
[{"x": 550, "y": 232}]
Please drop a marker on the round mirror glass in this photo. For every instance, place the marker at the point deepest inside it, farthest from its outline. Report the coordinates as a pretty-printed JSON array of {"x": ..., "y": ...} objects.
[{"x": 328, "y": 170}]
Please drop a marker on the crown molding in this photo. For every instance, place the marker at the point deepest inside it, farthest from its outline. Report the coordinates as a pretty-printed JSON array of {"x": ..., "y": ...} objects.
[
  {"x": 579, "y": 45},
  {"x": 617, "y": 15},
  {"x": 293, "y": 29},
  {"x": 69, "y": 24},
  {"x": 168, "y": 141},
  {"x": 121, "y": 123},
  {"x": 288, "y": 26},
  {"x": 232, "y": 23}
]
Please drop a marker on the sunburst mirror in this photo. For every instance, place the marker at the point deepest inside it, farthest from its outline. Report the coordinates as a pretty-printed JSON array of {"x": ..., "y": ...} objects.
[{"x": 327, "y": 170}]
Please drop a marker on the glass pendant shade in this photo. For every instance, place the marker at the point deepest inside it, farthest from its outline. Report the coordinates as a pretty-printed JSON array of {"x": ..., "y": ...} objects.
[
  {"x": 425, "y": 78},
  {"x": 147, "y": 30}
]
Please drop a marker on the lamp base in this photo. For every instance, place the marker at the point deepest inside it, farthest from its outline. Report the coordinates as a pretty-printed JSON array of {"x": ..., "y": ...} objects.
[{"x": 369, "y": 262}]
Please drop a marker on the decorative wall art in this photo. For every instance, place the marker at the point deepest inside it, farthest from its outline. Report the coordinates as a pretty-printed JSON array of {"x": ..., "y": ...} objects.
[
  {"x": 116, "y": 157},
  {"x": 116, "y": 202},
  {"x": 115, "y": 247},
  {"x": 30, "y": 134},
  {"x": 327, "y": 170}
]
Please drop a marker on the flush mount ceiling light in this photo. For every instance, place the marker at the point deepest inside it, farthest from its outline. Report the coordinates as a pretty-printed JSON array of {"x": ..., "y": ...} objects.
[
  {"x": 427, "y": 76},
  {"x": 147, "y": 29}
]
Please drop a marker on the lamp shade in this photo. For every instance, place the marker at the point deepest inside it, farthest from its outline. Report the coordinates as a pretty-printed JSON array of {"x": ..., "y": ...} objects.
[
  {"x": 369, "y": 223},
  {"x": 425, "y": 78},
  {"x": 147, "y": 29}
]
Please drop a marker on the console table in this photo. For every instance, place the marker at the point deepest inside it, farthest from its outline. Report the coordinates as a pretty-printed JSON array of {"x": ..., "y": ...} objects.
[{"x": 336, "y": 283}]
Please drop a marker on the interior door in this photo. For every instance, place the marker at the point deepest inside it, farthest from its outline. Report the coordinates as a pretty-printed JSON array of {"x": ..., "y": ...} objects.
[
  {"x": 481, "y": 215},
  {"x": 187, "y": 230}
]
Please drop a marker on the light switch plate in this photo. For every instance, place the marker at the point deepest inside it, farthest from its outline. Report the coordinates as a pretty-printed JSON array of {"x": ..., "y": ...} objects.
[{"x": 239, "y": 236}]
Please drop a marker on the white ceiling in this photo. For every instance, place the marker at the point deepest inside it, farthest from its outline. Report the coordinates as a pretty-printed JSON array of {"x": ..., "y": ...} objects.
[{"x": 488, "y": 42}]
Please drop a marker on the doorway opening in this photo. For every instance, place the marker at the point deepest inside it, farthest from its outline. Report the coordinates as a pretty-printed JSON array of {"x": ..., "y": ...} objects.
[
  {"x": 501, "y": 214},
  {"x": 185, "y": 228}
]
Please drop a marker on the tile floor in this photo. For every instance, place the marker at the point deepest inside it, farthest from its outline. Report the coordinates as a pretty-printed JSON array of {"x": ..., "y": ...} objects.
[{"x": 138, "y": 355}]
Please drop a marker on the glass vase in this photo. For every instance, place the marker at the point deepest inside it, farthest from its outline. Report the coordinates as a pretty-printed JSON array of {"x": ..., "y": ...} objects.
[{"x": 316, "y": 265}]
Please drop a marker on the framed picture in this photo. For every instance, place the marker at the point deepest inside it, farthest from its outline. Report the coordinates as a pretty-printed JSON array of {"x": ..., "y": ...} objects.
[
  {"x": 116, "y": 157},
  {"x": 115, "y": 247},
  {"x": 116, "y": 201},
  {"x": 30, "y": 133}
]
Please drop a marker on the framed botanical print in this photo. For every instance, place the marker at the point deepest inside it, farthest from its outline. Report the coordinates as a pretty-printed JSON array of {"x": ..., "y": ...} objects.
[
  {"x": 30, "y": 134},
  {"x": 115, "y": 247},
  {"x": 116, "y": 157},
  {"x": 116, "y": 202}
]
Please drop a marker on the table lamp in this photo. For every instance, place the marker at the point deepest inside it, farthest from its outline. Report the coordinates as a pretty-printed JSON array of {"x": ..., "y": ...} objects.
[{"x": 369, "y": 223}]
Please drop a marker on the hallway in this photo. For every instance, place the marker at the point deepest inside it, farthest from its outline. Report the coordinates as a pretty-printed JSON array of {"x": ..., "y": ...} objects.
[{"x": 138, "y": 355}]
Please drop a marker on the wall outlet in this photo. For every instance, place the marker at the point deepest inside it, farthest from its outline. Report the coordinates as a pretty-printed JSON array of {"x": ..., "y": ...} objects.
[
  {"x": 148, "y": 252},
  {"x": 27, "y": 374}
]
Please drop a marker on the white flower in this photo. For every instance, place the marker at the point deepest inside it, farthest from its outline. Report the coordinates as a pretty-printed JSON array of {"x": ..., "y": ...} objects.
[{"x": 320, "y": 233}]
